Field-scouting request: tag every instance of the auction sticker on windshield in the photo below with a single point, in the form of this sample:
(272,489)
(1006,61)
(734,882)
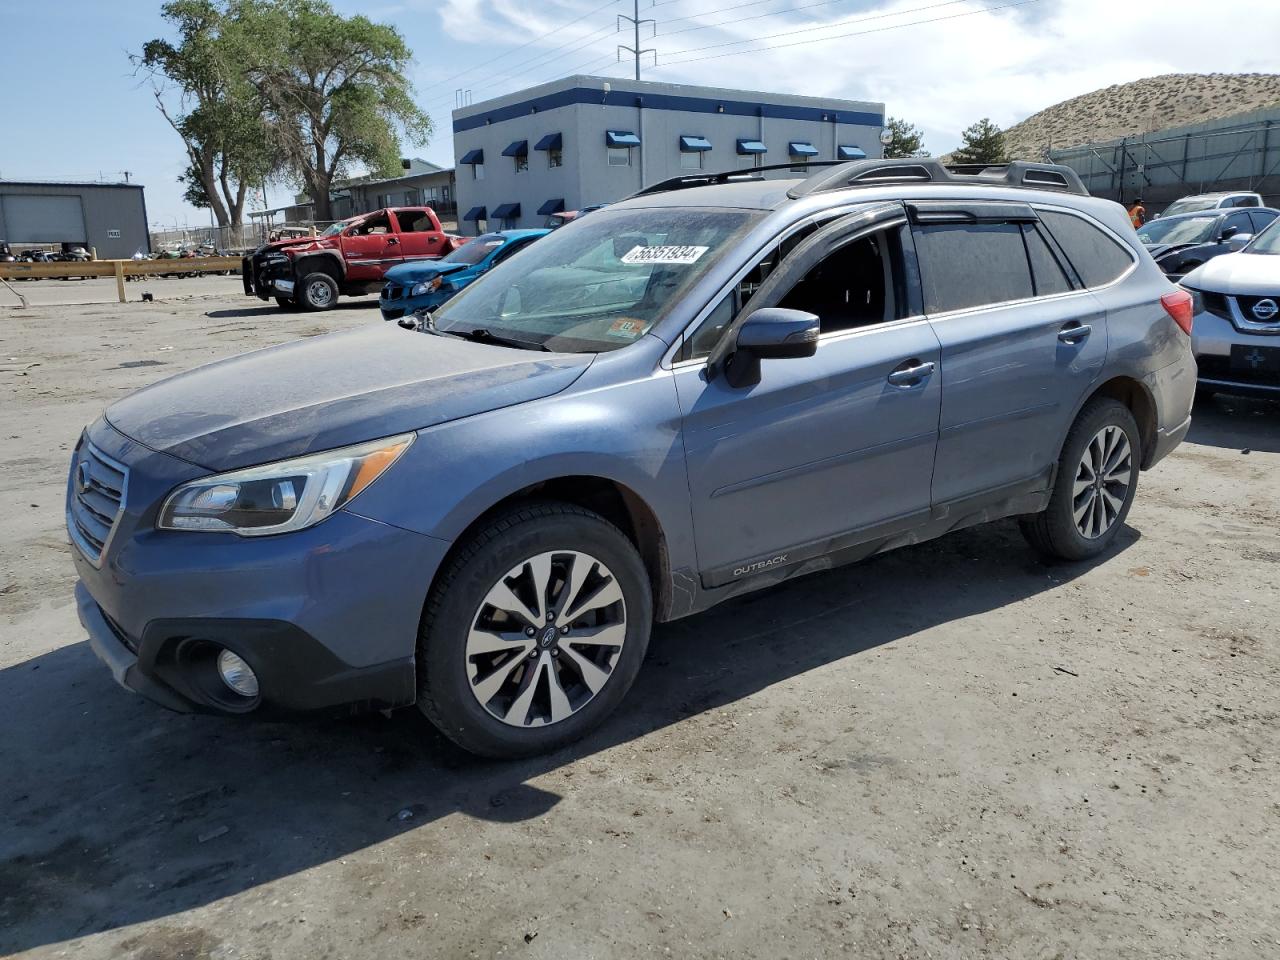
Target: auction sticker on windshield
(666,254)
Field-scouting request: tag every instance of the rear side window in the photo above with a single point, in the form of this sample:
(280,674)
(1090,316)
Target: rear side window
(1261,219)
(1047,272)
(967,265)
(1097,258)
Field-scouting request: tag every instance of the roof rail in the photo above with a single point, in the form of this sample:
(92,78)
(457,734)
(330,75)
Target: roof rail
(1015,173)
(744,175)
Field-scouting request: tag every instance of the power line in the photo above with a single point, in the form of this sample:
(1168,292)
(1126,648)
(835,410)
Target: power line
(777,13)
(840,36)
(827,26)
(590,13)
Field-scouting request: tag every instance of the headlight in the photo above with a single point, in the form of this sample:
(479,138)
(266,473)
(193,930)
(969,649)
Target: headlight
(279,497)
(427,286)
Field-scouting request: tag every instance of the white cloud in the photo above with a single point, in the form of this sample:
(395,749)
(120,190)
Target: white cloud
(1003,63)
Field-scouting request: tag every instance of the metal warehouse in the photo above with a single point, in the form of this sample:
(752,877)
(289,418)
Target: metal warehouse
(110,218)
(587,140)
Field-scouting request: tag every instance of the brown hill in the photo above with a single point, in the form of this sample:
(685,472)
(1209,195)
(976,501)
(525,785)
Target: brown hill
(1154,103)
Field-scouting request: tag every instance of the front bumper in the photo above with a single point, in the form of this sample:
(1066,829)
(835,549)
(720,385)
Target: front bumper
(327,617)
(1212,338)
(265,277)
(396,304)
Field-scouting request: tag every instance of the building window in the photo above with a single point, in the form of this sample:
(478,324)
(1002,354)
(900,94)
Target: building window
(555,157)
(799,167)
(522,163)
(619,156)
(477,171)
(749,161)
(691,160)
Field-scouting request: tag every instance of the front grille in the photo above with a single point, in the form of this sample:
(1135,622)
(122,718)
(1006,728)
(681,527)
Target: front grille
(1246,305)
(98,486)
(123,637)
(392,291)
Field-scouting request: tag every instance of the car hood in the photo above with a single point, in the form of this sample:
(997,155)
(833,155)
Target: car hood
(1250,274)
(298,244)
(408,273)
(330,391)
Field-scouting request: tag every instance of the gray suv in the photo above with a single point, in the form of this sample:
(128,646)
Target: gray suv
(709,388)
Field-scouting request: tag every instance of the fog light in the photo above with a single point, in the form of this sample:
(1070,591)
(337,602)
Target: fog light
(237,675)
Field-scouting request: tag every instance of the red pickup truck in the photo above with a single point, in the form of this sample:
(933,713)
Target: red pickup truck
(350,258)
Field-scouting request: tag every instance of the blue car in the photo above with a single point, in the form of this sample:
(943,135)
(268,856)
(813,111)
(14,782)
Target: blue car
(426,285)
(706,389)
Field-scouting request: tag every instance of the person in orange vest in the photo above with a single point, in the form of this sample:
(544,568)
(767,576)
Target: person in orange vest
(1137,213)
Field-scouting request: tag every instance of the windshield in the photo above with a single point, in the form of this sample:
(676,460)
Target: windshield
(473,251)
(598,284)
(1267,242)
(335,228)
(1191,206)
(1185,230)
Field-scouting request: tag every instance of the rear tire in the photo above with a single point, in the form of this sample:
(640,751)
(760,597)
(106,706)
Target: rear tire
(1094,484)
(318,291)
(497,683)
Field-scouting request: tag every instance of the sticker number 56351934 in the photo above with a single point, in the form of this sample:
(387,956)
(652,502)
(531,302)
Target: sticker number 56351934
(663,254)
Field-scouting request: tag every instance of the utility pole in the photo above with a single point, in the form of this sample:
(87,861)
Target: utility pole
(635,22)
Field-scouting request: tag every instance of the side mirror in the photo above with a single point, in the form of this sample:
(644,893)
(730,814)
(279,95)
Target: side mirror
(772,333)
(1228,233)
(1238,241)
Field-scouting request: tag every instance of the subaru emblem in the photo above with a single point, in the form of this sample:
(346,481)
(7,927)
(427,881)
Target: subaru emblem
(1265,310)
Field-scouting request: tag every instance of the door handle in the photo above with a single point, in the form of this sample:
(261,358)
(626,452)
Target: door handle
(910,372)
(392,240)
(1074,332)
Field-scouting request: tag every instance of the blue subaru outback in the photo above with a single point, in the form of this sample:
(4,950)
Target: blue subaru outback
(718,384)
(427,284)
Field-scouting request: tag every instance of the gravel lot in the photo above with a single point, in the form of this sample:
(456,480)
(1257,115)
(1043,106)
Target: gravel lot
(949,751)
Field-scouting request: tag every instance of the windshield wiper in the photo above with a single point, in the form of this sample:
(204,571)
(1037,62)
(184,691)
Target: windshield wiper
(481,335)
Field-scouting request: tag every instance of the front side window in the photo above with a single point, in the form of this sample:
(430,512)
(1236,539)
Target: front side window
(1098,258)
(966,265)
(1268,241)
(374,225)
(859,284)
(619,156)
(601,285)
(1236,223)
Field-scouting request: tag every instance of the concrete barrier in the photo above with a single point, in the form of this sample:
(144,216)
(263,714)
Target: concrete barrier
(118,269)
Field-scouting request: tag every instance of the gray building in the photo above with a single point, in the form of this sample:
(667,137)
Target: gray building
(110,218)
(586,140)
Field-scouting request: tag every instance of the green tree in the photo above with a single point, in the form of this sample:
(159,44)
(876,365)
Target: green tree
(203,92)
(906,142)
(983,143)
(334,91)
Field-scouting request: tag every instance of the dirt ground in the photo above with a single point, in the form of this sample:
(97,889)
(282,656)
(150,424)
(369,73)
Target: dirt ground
(949,751)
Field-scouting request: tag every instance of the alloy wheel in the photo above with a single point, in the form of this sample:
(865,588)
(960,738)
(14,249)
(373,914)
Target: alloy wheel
(546,638)
(1102,480)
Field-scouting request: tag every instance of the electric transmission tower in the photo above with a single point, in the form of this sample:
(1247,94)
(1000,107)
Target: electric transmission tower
(635,22)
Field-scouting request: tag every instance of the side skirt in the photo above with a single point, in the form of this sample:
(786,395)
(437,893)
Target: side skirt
(1016,499)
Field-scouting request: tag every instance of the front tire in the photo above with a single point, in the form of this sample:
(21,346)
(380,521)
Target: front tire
(534,632)
(1096,479)
(319,291)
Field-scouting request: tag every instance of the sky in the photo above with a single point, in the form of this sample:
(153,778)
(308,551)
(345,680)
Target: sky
(941,64)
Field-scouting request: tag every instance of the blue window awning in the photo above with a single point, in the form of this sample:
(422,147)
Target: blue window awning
(519,148)
(751,146)
(850,152)
(506,211)
(620,138)
(552,141)
(475,213)
(472,156)
(802,148)
(694,144)
(551,206)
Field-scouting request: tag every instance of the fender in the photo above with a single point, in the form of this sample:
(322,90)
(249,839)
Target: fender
(326,256)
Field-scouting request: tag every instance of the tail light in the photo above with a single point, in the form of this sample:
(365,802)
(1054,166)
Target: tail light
(1181,306)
